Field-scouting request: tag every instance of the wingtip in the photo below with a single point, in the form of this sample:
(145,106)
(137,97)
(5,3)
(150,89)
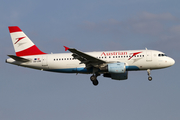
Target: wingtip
(66,48)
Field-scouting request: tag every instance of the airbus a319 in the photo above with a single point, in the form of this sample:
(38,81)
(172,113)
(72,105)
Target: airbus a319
(111,64)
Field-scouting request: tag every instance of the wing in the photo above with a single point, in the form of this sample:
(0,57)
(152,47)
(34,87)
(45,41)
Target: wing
(85,58)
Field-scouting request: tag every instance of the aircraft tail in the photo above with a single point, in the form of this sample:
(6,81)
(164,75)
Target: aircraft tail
(23,46)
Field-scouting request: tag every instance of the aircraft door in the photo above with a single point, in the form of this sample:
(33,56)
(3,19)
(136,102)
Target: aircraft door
(148,56)
(45,61)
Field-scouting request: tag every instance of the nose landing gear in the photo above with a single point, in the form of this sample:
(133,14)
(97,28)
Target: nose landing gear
(149,73)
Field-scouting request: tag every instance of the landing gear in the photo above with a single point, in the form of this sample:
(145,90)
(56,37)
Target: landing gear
(149,78)
(94,80)
(149,73)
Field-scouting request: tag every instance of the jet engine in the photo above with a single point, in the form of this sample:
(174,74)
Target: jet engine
(116,67)
(116,71)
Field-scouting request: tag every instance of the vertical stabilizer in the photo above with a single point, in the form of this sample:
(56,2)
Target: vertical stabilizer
(23,46)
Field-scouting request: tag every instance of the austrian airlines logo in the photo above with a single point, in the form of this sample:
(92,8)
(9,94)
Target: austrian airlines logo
(133,54)
(18,39)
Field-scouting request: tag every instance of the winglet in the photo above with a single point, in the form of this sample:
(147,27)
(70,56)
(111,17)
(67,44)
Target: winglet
(66,48)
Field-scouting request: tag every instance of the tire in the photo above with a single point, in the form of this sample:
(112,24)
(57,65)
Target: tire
(95,82)
(149,78)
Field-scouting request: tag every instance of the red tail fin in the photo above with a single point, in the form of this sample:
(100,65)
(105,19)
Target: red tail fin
(22,44)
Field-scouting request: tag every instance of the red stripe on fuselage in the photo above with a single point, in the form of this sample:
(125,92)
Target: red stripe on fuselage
(34,50)
(134,54)
(14,29)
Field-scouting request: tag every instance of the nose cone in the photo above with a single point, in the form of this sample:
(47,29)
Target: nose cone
(172,61)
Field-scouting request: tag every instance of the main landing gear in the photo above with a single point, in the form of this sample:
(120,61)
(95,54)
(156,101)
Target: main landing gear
(94,80)
(149,73)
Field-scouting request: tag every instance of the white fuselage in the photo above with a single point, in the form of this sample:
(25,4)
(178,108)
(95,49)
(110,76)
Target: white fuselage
(65,63)
(112,64)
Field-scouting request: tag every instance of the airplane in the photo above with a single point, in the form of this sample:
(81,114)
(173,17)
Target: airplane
(111,64)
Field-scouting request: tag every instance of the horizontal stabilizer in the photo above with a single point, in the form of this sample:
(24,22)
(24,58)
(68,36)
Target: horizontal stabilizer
(20,59)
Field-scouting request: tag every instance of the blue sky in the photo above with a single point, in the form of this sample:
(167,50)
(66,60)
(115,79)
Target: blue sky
(91,26)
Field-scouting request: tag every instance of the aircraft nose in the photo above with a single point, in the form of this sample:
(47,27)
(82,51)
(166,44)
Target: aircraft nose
(172,61)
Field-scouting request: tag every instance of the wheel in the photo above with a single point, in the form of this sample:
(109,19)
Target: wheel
(149,78)
(95,82)
(93,78)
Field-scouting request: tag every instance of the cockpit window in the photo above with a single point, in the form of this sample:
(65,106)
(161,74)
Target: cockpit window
(161,55)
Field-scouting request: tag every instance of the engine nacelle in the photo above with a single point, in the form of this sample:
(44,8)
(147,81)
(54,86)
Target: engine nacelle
(117,76)
(116,68)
